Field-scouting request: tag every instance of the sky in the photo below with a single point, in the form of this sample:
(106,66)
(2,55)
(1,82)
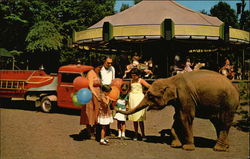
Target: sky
(196,5)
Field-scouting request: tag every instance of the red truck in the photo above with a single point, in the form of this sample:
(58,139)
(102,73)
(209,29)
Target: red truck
(47,91)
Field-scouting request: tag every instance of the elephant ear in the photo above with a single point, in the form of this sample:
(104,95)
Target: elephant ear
(170,93)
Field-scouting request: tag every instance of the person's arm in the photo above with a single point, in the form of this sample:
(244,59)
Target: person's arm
(101,74)
(145,83)
(113,69)
(126,102)
(90,77)
(105,99)
(128,69)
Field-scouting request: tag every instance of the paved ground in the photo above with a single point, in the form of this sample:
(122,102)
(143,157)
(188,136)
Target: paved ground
(30,134)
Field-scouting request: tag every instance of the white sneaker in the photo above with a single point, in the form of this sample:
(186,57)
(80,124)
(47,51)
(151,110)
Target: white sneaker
(106,140)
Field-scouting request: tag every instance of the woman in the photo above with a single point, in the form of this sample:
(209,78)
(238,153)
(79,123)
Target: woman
(135,97)
(89,113)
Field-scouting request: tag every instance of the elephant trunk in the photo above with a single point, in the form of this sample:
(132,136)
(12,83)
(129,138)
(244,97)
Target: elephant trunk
(141,106)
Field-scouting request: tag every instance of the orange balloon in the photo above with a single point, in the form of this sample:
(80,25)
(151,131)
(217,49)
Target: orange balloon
(114,93)
(117,82)
(80,82)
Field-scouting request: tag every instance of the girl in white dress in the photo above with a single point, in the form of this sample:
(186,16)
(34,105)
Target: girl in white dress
(135,97)
(105,114)
(122,105)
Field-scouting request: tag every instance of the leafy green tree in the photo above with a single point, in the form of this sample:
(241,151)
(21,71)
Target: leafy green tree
(124,7)
(20,20)
(14,24)
(44,37)
(224,12)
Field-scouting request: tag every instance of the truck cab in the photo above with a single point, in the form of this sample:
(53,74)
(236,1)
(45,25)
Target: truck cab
(65,88)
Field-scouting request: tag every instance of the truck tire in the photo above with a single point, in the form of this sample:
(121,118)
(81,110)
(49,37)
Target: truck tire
(46,105)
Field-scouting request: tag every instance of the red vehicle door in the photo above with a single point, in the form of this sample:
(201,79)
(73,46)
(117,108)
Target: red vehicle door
(65,88)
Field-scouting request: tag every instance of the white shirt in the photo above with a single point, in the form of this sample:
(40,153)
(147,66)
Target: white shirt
(107,75)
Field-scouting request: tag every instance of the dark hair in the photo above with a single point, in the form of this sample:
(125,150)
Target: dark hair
(106,88)
(135,71)
(124,87)
(104,58)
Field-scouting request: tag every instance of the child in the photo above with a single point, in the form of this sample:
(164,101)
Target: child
(121,105)
(188,65)
(105,115)
(135,97)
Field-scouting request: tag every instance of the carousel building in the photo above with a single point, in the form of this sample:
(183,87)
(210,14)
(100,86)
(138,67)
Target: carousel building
(160,29)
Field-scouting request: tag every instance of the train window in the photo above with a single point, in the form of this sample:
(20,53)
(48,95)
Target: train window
(69,77)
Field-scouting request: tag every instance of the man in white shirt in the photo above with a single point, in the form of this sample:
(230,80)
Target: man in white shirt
(107,71)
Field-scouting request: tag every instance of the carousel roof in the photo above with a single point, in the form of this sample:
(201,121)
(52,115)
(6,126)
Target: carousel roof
(145,21)
(155,11)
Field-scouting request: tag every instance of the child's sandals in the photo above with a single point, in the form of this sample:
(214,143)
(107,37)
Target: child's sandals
(106,140)
(103,143)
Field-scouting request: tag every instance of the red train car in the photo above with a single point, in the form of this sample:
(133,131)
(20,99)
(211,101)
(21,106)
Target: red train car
(46,90)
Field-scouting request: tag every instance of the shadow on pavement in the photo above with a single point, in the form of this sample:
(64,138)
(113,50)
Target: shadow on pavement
(163,139)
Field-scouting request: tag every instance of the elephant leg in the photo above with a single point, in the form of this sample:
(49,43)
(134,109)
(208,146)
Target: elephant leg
(222,141)
(182,131)
(222,129)
(175,139)
(216,124)
(187,122)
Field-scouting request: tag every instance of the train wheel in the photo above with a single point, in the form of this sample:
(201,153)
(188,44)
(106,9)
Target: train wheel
(46,105)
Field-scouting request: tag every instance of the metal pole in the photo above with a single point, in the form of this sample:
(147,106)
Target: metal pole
(13,63)
(167,65)
(243,63)
(242,11)
(217,59)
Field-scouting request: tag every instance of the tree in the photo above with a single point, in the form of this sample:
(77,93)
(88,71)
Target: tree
(14,24)
(124,7)
(44,43)
(20,20)
(203,11)
(224,12)
(44,37)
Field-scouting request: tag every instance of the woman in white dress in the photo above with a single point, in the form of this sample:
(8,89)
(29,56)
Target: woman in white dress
(135,97)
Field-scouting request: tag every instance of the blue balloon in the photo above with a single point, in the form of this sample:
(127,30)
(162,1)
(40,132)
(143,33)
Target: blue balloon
(84,96)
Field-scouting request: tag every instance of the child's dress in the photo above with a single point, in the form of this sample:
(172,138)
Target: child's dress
(121,104)
(105,115)
(135,97)
(188,67)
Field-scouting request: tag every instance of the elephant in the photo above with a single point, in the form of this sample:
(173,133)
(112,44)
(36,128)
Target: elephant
(204,94)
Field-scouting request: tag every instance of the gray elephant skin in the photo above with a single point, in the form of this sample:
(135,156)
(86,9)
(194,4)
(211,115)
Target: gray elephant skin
(204,94)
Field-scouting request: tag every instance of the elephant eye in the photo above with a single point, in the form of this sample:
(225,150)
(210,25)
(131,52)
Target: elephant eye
(150,96)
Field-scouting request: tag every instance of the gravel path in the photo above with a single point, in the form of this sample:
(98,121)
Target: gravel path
(30,134)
